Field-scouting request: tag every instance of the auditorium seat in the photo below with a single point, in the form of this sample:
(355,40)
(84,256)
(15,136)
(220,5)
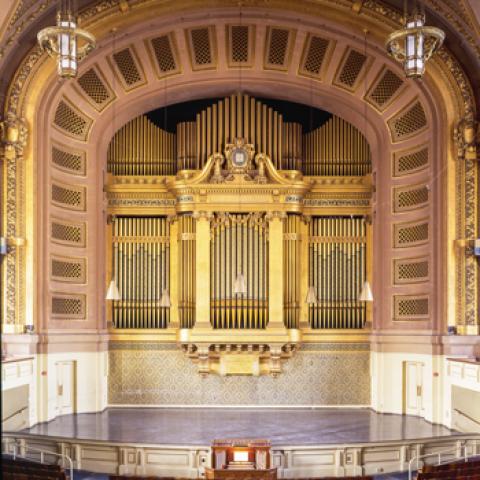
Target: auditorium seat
(451,466)
(22,469)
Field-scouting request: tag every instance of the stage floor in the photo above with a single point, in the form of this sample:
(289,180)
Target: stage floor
(199,426)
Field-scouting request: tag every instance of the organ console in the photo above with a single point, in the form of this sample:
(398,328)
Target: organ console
(241,459)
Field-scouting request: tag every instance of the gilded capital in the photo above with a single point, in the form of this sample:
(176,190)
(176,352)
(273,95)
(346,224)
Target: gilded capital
(13,133)
(467,138)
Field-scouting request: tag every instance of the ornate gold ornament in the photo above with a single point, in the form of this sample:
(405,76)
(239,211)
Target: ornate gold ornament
(66,42)
(415,43)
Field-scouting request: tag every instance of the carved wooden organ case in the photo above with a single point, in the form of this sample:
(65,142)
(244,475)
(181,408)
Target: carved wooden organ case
(232,219)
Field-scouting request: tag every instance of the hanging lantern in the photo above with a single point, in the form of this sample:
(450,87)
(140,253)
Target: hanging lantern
(311,298)
(366,293)
(112,292)
(414,44)
(240,285)
(66,43)
(165,299)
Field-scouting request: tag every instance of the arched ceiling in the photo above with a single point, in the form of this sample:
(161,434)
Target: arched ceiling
(22,19)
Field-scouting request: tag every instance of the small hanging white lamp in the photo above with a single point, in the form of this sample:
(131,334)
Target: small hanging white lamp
(112,292)
(366,293)
(165,299)
(311,298)
(240,285)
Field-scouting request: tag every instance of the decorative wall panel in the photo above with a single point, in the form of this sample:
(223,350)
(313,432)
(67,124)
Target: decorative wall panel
(68,306)
(411,161)
(68,269)
(128,69)
(240,45)
(164,51)
(410,307)
(315,56)
(385,89)
(158,374)
(202,47)
(278,48)
(411,270)
(351,70)
(410,198)
(409,122)
(93,84)
(68,196)
(68,233)
(71,121)
(68,160)
(410,234)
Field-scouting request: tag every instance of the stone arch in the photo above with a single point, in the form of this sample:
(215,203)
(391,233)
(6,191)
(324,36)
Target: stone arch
(189,83)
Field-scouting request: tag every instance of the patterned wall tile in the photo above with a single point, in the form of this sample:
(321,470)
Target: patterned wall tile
(156,375)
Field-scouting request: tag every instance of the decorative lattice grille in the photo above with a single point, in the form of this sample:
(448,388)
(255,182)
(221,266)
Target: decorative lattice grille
(67,233)
(65,269)
(408,123)
(411,307)
(277,47)
(239,44)
(385,89)
(202,48)
(71,121)
(163,50)
(351,68)
(91,83)
(66,306)
(411,234)
(69,161)
(71,197)
(410,198)
(411,270)
(127,67)
(315,55)
(405,163)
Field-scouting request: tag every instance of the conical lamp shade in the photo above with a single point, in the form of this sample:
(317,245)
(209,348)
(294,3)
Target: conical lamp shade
(311,298)
(165,300)
(240,285)
(112,292)
(366,293)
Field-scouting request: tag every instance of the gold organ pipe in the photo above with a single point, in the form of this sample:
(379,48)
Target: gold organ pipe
(228,136)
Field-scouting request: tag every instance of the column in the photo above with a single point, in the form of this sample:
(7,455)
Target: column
(275,269)
(174,269)
(13,137)
(304,246)
(202,269)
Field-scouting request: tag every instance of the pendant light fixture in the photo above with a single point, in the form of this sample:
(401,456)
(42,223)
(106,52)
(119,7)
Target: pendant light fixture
(366,293)
(415,43)
(311,298)
(65,42)
(240,285)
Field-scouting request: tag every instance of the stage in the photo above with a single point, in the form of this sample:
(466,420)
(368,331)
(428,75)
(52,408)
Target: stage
(199,426)
(306,442)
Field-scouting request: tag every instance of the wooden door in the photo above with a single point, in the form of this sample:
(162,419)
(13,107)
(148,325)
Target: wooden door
(413,388)
(66,383)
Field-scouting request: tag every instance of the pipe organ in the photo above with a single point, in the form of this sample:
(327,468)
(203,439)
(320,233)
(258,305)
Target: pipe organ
(336,148)
(337,270)
(141,265)
(186,270)
(235,216)
(239,247)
